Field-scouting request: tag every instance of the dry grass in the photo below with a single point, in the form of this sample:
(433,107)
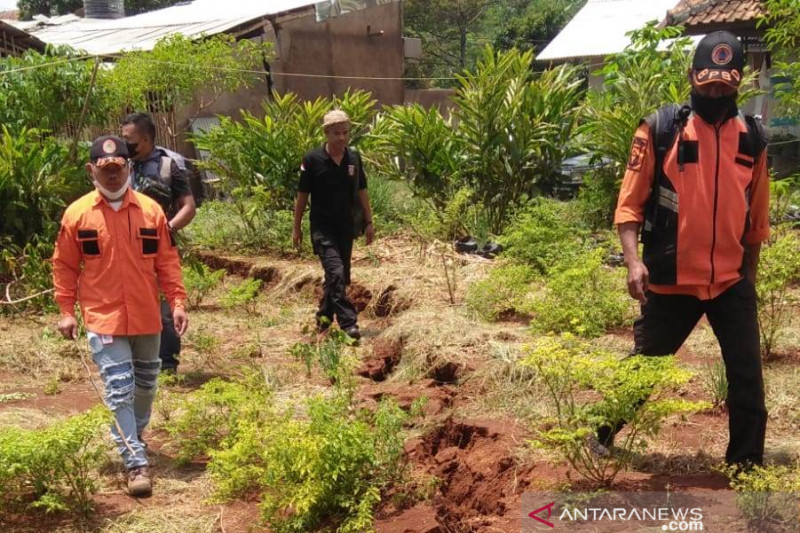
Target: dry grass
(224,343)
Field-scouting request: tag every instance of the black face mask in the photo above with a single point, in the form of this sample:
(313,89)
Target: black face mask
(713,110)
(133,149)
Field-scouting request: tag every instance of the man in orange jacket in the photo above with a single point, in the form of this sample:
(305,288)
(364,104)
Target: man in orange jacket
(697,187)
(113,254)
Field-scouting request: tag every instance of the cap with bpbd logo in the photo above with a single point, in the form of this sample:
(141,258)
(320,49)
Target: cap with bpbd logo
(719,58)
(109,150)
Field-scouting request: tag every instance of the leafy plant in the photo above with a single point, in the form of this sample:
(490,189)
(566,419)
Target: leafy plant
(778,268)
(426,152)
(267,152)
(514,128)
(199,280)
(575,374)
(506,290)
(781,26)
(545,235)
(51,468)
(585,298)
(243,295)
(179,69)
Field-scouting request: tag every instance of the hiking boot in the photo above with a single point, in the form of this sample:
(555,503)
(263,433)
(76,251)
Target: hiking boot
(139,484)
(597,449)
(353,333)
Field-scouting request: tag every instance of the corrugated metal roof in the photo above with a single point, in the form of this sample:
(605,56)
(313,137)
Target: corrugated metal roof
(599,28)
(141,32)
(693,13)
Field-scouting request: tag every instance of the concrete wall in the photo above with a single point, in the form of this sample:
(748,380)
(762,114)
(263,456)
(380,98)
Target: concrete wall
(348,45)
(340,46)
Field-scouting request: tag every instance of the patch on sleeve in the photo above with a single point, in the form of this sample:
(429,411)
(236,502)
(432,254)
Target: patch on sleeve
(638,153)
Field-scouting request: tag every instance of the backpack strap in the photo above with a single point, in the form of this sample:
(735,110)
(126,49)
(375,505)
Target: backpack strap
(665,125)
(757,137)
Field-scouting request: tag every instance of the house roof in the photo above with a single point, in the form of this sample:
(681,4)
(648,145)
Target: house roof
(12,14)
(702,15)
(21,40)
(599,28)
(142,32)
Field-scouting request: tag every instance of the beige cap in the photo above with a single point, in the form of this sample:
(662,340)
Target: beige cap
(337,116)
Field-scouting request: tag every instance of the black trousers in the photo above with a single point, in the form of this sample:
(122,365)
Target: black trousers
(665,324)
(170,346)
(335,250)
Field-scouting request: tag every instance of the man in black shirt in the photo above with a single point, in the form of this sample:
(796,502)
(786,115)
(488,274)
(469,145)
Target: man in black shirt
(162,175)
(333,177)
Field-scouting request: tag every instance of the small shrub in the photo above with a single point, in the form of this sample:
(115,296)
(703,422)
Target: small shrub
(199,281)
(585,298)
(332,467)
(327,352)
(216,413)
(507,289)
(778,268)
(52,468)
(575,374)
(545,236)
(243,295)
(767,495)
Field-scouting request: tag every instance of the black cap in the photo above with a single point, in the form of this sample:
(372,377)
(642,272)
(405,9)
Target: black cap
(719,58)
(109,150)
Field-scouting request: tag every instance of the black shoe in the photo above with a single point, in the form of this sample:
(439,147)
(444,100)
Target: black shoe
(353,333)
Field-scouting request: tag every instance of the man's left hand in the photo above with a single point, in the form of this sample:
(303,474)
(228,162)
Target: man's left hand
(370,234)
(181,320)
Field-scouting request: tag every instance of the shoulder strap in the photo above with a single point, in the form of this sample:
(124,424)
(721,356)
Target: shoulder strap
(165,170)
(756,135)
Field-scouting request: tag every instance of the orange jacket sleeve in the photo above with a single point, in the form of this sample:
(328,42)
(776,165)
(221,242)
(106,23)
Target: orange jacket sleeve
(168,267)
(638,181)
(66,267)
(759,203)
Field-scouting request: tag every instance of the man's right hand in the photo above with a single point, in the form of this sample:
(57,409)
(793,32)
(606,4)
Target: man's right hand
(297,237)
(68,327)
(638,280)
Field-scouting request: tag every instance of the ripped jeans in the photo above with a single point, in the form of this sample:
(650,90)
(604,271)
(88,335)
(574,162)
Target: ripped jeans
(129,368)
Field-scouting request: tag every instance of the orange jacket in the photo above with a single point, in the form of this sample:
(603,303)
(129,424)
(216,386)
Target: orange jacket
(721,196)
(113,263)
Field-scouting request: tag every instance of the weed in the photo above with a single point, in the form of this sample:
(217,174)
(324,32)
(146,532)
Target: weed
(199,281)
(767,494)
(778,268)
(243,296)
(52,388)
(51,468)
(585,298)
(327,352)
(506,290)
(716,383)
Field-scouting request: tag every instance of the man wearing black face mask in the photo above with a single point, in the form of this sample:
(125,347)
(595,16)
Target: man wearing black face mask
(697,187)
(163,176)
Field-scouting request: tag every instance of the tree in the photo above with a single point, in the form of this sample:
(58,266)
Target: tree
(445,27)
(532,25)
(29,8)
(782,34)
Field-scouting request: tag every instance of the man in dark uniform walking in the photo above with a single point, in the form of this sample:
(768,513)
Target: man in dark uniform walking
(162,175)
(332,176)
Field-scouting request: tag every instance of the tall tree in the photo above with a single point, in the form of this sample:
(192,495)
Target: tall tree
(532,25)
(445,27)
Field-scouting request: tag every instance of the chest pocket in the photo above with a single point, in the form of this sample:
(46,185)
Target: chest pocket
(149,238)
(90,242)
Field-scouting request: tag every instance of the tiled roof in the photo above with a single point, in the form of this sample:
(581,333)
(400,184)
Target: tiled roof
(715,12)
(12,14)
